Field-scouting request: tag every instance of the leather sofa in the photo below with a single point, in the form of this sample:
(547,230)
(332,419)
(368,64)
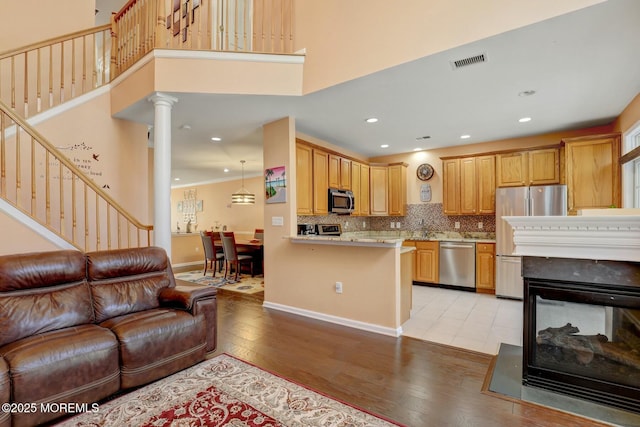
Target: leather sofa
(77,328)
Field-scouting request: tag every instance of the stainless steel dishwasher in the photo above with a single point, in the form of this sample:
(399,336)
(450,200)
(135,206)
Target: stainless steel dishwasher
(458,264)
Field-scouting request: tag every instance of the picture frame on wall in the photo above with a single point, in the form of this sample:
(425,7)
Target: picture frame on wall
(275,182)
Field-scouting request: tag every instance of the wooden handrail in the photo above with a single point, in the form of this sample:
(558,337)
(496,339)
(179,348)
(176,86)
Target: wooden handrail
(12,126)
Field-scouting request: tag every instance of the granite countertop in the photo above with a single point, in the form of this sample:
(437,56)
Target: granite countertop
(478,237)
(392,239)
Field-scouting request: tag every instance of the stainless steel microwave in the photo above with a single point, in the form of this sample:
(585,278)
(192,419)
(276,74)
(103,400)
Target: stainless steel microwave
(341,201)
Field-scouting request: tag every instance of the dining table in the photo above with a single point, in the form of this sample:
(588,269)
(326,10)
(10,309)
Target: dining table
(255,246)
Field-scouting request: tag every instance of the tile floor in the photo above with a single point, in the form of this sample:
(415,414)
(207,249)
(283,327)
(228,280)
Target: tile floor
(469,320)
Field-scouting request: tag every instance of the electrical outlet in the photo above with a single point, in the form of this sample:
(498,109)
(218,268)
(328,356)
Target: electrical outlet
(398,224)
(338,287)
(346,224)
(393,224)
(456,225)
(480,225)
(364,224)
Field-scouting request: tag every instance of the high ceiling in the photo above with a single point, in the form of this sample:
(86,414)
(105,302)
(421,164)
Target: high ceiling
(584,68)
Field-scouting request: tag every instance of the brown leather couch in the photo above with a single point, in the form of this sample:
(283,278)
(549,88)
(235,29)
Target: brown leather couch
(77,328)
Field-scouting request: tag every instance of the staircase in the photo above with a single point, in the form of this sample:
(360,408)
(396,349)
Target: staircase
(41,186)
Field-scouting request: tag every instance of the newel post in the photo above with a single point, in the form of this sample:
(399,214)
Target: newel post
(114,47)
(161,24)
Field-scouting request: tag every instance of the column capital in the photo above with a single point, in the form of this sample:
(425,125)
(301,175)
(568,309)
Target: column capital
(160,98)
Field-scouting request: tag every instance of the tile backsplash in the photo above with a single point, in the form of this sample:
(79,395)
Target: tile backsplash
(420,217)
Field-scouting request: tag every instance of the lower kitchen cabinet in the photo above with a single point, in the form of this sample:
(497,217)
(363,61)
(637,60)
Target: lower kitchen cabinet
(427,262)
(486,268)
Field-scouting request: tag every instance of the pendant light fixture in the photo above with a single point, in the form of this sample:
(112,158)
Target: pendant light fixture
(243,196)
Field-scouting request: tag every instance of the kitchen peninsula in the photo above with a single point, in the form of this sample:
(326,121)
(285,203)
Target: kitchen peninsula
(355,281)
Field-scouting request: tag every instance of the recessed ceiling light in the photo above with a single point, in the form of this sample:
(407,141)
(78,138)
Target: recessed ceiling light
(226,170)
(384,146)
(216,138)
(524,119)
(176,179)
(418,149)
(465,136)
(527,93)
(371,120)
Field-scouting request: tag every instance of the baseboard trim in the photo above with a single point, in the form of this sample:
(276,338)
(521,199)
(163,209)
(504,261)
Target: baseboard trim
(370,327)
(186,264)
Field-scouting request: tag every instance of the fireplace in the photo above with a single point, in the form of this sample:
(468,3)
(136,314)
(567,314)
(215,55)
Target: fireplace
(582,329)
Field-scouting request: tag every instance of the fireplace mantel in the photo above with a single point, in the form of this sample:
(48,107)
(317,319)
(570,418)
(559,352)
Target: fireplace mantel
(614,237)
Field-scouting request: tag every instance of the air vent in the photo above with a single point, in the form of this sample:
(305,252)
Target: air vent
(465,62)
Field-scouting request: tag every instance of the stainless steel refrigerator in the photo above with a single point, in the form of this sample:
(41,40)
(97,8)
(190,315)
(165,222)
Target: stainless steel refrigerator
(543,200)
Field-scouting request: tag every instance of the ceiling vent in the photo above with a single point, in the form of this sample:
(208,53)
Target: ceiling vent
(471,60)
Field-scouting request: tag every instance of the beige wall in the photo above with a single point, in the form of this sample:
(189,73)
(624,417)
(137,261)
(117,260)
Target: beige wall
(28,21)
(381,34)
(216,207)
(121,164)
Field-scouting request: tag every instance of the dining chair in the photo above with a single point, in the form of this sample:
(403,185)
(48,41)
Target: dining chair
(212,257)
(232,257)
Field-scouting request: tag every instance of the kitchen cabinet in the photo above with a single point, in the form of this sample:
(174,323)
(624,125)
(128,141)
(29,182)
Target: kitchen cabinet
(379,189)
(397,189)
(304,179)
(485,267)
(469,185)
(427,261)
(592,172)
(360,188)
(339,172)
(312,178)
(320,182)
(388,189)
(531,167)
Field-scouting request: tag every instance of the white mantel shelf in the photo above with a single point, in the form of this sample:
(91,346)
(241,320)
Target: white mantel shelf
(615,237)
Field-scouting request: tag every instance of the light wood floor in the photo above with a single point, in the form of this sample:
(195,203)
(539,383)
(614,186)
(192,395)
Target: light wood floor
(411,381)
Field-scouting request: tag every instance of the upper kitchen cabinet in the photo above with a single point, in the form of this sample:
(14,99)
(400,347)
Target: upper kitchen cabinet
(398,189)
(593,172)
(379,190)
(339,172)
(360,188)
(530,167)
(312,166)
(304,179)
(469,185)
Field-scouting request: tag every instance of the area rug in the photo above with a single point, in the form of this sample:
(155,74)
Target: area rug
(245,283)
(225,391)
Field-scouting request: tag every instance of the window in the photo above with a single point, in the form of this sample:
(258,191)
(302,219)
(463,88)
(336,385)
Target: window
(631,168)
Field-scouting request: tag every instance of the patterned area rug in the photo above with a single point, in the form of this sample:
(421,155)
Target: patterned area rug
(225,391)
(246,284)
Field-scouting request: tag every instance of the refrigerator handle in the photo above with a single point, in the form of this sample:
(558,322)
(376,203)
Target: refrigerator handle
(526,207)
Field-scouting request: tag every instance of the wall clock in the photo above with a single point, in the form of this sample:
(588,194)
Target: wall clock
(424,172)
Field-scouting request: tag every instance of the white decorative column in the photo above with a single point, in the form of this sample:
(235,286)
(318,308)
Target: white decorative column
(162,170)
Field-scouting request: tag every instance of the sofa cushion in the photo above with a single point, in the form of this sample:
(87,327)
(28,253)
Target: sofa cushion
(5,393)
(156,343)
(126,281)
(42,292)
(78,364)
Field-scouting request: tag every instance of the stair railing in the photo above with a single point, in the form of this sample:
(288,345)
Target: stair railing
(42,75)
(43,183)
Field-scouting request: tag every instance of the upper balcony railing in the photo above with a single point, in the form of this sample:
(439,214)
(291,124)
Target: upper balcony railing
(43,75)
(263,26)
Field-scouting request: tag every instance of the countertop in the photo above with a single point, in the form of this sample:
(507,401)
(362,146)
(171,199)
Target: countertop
(392,239)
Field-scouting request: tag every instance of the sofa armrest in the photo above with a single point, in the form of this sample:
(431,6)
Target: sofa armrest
(195,299)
